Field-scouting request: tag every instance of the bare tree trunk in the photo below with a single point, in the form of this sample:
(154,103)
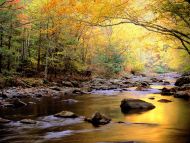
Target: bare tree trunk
(1,45)
(46,64)
(47,54)
(9,47)
(39,52)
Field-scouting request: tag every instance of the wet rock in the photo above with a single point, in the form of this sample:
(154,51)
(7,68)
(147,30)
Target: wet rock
(166,83)
(18,103)
(70,101)
(28,121)
(66,114)
(98,119)
(157,79)
(145,84)
(184,87)
(3,121)
(183,80)
(73,91)
(121,122)
(164,101)
(182,94)
(136,105)
(166,91)
(141,88)
(151,98)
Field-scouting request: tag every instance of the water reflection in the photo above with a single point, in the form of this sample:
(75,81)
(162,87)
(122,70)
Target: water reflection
(167,123)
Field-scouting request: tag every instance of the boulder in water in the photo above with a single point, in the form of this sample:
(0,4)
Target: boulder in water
(3,121)
(151,98)
(166,83)
(135,105)
(182,80)
(28,121)
(182,94)
(66,114)
(164,101)
(98,119)
(167,92)
(186,73)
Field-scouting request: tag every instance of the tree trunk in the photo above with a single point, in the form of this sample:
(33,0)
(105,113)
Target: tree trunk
(39,52)
(46,64)
(1,45)
(47,53)
(9,47)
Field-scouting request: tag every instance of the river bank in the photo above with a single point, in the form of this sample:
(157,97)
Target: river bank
(11,96)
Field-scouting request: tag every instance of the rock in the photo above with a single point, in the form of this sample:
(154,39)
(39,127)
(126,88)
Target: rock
(98,119)
(184,87)
(56,88)
(66,114)
(18,103)
(156,80)
(88,120)
(73,91)
(121,122)
(145,84)
(75,84)
(141,88)
(183,80)
(77,91)
(135,104)
(151,98)
(166,91)
(186,73)
(4,120)
(70,101)
(166,83)
(164,101)
(182,94)
(67,84)
(28,121)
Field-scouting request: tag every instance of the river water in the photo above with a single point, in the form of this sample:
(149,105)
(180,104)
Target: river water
(167,123)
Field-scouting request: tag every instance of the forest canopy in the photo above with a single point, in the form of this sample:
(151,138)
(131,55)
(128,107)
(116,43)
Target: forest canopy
(51,37)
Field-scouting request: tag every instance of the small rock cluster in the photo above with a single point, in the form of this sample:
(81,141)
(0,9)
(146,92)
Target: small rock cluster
(182,89)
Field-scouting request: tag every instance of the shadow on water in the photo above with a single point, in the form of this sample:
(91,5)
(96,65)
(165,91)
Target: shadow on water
(167,123)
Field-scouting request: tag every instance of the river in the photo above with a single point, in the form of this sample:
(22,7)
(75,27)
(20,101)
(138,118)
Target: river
(167,123)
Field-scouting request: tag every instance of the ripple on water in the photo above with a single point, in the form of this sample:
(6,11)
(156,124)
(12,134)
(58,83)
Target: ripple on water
(52,135)
(51,121)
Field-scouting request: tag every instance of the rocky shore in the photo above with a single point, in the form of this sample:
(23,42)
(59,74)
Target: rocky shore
(12,96)
(181,89)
